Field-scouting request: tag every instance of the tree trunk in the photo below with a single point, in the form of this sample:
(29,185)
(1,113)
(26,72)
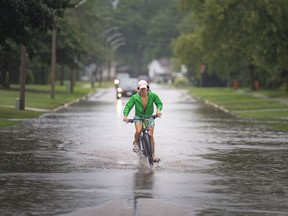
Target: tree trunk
(71,80)
(228,80)
(53,63)
(251,68)
(284,77)
(62,75)
(93,78)
(3,79)
(22,78)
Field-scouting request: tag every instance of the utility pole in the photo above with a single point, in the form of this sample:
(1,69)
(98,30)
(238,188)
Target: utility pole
(53,62)
(22,77)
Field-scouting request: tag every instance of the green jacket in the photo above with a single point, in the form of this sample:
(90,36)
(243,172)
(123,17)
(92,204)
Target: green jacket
(136,100)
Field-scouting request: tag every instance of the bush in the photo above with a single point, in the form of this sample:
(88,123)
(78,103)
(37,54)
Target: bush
(181,82)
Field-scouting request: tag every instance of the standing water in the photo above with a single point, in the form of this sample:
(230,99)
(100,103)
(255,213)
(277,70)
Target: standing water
(79,161)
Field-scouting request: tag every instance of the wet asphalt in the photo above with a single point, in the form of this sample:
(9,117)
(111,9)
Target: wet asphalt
(79,161)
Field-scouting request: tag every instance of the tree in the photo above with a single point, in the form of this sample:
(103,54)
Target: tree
(34,18)
(32,15)
(163,28)
(81,38)
(236,33)
(148,27)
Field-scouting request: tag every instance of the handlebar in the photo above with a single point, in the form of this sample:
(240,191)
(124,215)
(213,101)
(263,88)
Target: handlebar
(142,119)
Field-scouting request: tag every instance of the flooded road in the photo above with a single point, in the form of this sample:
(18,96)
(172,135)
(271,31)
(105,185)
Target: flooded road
(79,161)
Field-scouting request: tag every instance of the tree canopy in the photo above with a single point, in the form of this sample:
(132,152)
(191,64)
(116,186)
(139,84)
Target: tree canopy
(236,34)
(234,39)
(19,19)
(148,27)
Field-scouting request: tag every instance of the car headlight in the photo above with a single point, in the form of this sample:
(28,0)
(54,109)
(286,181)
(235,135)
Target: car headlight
(116,81)
(119,90)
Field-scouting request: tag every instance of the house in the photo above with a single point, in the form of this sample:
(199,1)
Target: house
(159,70)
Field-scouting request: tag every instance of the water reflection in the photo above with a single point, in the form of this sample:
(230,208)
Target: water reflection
(218,164)
(24,152)
(255,179)
(119,106)
(143,184)
(33,194)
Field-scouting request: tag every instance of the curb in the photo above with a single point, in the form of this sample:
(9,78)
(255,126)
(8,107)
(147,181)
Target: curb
(216,106)
(90,94)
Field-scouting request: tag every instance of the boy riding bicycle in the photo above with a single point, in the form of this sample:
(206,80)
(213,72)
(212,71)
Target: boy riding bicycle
(144,102)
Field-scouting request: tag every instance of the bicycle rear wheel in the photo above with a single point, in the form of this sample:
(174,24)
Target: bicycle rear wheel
(147,147)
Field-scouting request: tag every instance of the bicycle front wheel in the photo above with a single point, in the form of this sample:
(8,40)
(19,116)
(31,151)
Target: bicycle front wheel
(147,146)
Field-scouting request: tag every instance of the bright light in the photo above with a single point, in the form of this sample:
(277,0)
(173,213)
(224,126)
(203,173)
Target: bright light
(119,95)
(119,106)
(119,90)
(116,82)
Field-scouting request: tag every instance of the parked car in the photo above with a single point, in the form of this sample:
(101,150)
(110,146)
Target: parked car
(120,76)
(127,87)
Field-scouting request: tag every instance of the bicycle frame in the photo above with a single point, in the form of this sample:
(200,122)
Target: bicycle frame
(145,139)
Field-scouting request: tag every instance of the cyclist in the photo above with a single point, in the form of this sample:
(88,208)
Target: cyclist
(144,102)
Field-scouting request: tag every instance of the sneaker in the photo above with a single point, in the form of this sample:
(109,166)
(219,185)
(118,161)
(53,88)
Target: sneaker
(136,148)
(155,159)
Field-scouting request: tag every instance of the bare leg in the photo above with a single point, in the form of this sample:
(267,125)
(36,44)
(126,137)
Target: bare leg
(153,145)
(152,139)
(138,128)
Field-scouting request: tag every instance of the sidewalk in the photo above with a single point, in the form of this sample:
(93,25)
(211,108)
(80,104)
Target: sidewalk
(29,108)
(258,95)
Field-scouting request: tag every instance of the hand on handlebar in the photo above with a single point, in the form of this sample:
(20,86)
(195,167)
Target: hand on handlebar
(125,119)
(158,113)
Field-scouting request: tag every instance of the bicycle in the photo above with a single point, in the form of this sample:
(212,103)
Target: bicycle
(145,139)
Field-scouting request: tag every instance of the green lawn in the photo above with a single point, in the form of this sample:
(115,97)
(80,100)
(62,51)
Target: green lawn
(273,94)
(38,96)
(14,113)
(7,123)
(266,114)
(244,105)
